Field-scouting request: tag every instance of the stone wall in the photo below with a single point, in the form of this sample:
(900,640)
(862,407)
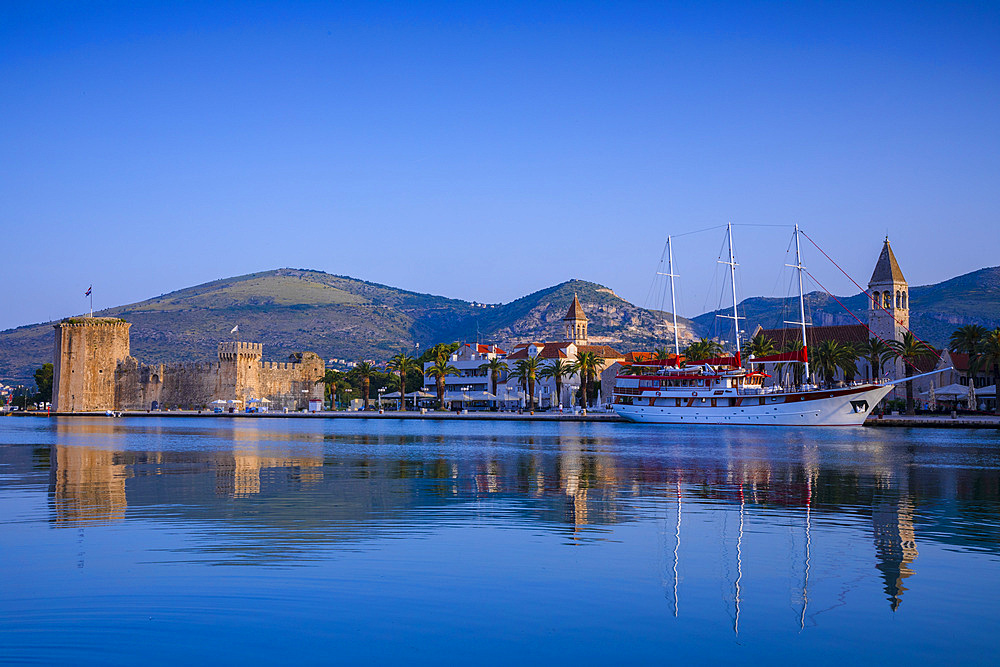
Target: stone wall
(239,375)
(87,351)
(95,372)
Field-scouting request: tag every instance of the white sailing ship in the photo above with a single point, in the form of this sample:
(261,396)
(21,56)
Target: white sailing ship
(722,391)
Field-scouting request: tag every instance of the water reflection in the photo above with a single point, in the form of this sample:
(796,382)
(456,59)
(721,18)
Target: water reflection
(264,494)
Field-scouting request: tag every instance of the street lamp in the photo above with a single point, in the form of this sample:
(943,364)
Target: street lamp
(381,390)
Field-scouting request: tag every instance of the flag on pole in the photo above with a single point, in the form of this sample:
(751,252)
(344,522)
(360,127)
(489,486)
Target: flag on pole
(87,293)
(235,329)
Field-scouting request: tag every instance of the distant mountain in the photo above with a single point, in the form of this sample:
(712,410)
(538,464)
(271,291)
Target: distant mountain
(935,310)
(291,310)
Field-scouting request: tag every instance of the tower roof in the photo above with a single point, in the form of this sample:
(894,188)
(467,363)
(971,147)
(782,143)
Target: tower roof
(886,268)
(575,311)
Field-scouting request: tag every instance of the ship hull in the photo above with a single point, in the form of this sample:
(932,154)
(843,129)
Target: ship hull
(840,407)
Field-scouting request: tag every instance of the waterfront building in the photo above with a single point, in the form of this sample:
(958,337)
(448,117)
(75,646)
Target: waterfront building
(577,341)
(470,379)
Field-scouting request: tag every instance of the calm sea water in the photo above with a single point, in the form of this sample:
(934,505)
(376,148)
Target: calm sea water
(341,541)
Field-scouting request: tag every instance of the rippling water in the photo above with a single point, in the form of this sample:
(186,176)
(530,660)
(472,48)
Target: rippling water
(352,541)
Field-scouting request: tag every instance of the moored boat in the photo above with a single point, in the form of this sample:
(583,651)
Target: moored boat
(721,391)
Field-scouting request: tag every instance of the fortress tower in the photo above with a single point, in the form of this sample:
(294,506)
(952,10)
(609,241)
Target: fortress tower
(239,370)
(575,323)
(87,350)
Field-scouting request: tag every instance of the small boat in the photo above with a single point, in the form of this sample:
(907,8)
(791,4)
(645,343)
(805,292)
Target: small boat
(722,391)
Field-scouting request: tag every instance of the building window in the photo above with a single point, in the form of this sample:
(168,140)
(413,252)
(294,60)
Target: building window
(904,300)
(875,300)
(887,299)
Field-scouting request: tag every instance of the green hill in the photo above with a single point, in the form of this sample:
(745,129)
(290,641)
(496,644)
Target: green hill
(935,310)
(291,310)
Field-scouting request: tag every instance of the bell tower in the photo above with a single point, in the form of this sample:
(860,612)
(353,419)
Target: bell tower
(889,307)
(575,323)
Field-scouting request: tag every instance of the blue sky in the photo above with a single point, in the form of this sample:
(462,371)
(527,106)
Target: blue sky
(487,150)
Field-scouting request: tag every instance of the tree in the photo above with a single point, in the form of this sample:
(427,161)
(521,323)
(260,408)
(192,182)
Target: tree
(828,357)
(587,366)
(661,354)
(495,367)
(876,351)
(702,349)
(439,370)
(761,346)
(440,350)
(526,370)
(909,350)
(364,371)
(989,353)
(849,362)
(43,380)
(556,370)
(402,364)
(330,380)
(969,339)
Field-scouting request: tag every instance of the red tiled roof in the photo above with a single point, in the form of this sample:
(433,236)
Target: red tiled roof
(960,361)
(842,333)
(601,351)
(485,349)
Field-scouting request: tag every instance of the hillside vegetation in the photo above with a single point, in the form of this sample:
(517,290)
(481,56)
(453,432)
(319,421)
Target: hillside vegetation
(290,310)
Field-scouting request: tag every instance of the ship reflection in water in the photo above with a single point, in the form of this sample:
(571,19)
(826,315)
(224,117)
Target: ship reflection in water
(561,533)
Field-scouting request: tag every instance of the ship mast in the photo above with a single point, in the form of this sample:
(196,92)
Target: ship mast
(673,301)
(802,304)
(732,274)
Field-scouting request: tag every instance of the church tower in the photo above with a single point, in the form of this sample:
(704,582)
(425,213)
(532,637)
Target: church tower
(889,309)
(575,323)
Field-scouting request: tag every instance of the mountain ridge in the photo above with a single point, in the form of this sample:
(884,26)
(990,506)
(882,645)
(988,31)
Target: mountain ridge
(291,310)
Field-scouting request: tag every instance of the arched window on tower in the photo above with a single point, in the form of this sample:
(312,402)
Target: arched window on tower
(875,300)
(887,299)
(904,301)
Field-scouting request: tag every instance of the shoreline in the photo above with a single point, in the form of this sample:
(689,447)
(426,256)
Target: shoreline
(899,421)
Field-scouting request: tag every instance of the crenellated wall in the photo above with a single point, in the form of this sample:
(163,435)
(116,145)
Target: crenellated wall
(94,371)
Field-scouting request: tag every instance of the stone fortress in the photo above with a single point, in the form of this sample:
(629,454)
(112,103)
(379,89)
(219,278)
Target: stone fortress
(94,371)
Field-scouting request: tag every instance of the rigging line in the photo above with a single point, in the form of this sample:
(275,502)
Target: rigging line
(866,293)
(698,231)
(758,224)
(851,313)
(659,271)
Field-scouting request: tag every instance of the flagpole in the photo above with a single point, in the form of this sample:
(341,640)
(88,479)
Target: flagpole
(91,290)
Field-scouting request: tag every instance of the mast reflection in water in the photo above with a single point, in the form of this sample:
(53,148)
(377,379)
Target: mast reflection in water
(600,541)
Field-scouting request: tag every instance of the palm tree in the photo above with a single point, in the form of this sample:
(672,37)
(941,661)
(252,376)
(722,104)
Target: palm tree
(557,370)
(364,371)
(495,367)
(909,350)
(989,354)
(330,380)
(969,339)
(849,362)
(703,349)
(587,366)
(403,364)
(526,370)
(762,346)
(828,357)
(876,351)
(661,354)
(439,370)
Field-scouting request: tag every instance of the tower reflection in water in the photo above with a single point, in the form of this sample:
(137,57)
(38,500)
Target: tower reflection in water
(314,490)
